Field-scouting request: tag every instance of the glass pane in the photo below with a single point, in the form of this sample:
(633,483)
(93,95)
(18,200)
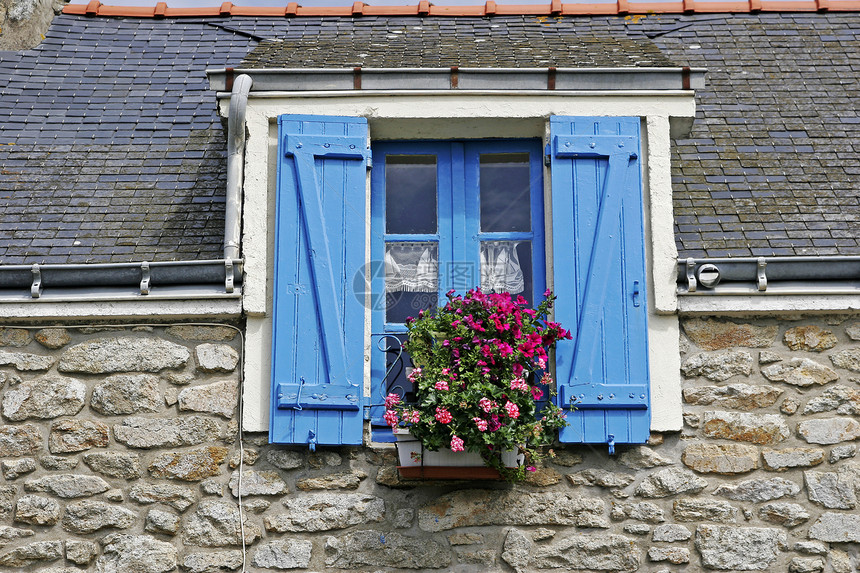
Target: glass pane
(506,266)
(410,194)
(411,279)
(505,192)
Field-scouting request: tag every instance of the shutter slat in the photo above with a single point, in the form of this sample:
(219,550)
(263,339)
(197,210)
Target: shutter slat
(318,321)
(598,254)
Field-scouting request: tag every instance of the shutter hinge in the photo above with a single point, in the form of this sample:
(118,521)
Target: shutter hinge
(547,160)
(611,443)
(365,403)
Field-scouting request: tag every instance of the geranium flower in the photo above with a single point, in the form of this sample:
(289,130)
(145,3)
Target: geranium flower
(391,418)
(415,375)
(512,410)
(392,400)
(481,423)
(537,393)
(519,384)
(441,385)
(443,415)
(456,444)
(486,404)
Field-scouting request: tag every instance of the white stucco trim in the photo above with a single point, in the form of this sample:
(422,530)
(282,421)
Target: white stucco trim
(152,309)
(457,114)
(772,304)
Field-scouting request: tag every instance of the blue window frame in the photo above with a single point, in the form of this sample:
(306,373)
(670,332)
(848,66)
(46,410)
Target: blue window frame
(447,216)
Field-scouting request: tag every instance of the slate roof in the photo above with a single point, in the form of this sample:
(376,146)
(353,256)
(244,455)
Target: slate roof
(111,149)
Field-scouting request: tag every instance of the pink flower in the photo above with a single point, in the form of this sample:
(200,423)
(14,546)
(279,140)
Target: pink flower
(512,410)
(531,468)
(456,444)
(481,423)
(443,415)
(542,363)
(391,418)
(414,375)
(392,400)
(537,393)
(486,404)
(505,349)
(411,416)
(519,384)
(441,385)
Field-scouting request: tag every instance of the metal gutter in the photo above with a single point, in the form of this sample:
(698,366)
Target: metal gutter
(235,165)
(801,275)
(455,78)
(105,281)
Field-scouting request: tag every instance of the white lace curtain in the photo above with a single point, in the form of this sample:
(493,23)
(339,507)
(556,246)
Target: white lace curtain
(414,267)
(411,267)
(500,267)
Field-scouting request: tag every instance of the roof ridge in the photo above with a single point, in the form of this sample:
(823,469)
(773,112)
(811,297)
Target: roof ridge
(489,8)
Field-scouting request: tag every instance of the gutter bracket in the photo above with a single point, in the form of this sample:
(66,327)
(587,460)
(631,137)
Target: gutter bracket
(762,276)
(36,287)
(228,275)
(691,277)
(144,278)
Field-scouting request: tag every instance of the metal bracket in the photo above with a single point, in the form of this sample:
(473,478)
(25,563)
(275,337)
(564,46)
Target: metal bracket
(36,287)
(691,276)
(312,440)
(762,277)
(145,278)
(611,444)
(636,293)
(228,275)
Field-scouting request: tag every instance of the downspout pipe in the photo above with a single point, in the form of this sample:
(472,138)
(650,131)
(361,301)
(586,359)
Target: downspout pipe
(235,165)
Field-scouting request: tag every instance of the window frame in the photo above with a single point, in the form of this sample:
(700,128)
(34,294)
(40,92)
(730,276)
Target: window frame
(458,227)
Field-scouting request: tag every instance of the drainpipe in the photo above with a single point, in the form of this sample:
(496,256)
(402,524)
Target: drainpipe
(235,165)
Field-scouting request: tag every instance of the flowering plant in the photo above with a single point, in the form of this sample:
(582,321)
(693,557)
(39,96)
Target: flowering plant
(476,362)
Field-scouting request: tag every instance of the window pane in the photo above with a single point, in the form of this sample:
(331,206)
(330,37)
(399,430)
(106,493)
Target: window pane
(505,192)
(410,194)
(411,279)
(506,266)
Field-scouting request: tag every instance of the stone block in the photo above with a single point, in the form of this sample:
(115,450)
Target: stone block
(704,510)
(718,366)
(727,548)
(848,359)
(324,512)
(212,561)
(361,549)
(175,496)
(36,552)
(26,362)
(830,489)
(784,513)
(44,398)
(284,554)
(136,554)
(89,516)
(126,354)
(53,338)
(836,528)
(68,485)
(735,396)
(674,555)
(801,372)
(788,458)
(37,510)
(724,459)
(216,358)
(140,432)
(809,338)
(191,465)
(475,507)
(216,523)
(13,469)
(257,483)
(218,398)
(591,552)
(670,481)
(671,532)
(754,428)
(341,480)
(77,435)
(719,335)
(114,464)
(759,490)
(127,394)
(829,430)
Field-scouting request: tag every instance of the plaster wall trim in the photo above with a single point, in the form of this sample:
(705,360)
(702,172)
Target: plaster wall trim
(447,115)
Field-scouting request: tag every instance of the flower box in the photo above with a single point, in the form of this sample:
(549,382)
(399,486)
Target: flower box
(419,463)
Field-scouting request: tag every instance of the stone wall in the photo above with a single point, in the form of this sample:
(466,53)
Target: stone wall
(24,23)
(119,451)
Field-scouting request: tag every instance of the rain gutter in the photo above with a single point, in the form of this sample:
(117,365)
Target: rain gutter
(121,281)
(774,276)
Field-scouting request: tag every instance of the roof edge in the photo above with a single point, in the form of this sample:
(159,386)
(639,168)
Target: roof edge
(489,8)
(457,78)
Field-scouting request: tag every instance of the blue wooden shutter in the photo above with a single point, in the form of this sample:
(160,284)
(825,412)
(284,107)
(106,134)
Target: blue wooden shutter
(599,276)
(318,338)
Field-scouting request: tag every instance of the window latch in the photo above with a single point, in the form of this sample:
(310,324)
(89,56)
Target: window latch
(635,293)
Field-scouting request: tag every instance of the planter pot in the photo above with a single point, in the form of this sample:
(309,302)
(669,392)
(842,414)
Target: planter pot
(419,463)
